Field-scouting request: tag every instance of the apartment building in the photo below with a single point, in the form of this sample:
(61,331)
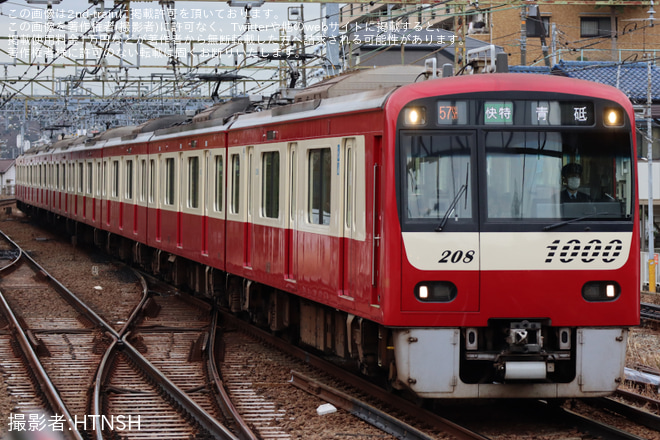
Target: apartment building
(529,33)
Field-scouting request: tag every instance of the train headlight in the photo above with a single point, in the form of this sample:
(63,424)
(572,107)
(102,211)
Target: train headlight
(601,291)
(613,117)
(414,116)
(436,291)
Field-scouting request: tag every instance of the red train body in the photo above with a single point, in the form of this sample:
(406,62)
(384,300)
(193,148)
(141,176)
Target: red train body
(418,230)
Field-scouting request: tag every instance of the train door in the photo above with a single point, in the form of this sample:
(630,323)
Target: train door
(291,226)
(351,264)
(249,226)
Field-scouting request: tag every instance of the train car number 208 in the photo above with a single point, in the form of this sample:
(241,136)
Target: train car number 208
(458,256)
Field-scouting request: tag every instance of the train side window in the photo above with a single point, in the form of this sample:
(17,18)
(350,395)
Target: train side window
(81,177)
(105,178)
(63,187)
(90,177)
(236,182)
(129,180)
(193,182)
(142,179)
(319,189)
(57,176)
(293,184)
(169,181)
(152,180)
(219,180)
(348,200)
(99,179)
(270,184)
(115,179)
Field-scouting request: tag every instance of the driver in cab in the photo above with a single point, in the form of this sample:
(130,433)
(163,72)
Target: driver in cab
(571,174)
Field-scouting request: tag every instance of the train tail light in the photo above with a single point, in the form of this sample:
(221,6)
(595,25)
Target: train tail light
(601,291)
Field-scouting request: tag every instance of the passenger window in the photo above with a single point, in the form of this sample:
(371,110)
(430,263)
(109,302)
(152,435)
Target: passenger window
(129,179)
(193,182)
(169,181)
(319,166)
(115,178)
(236,181)
(152,180)
(90,178)
(143,180)
(81,177)
(99,179)
(270,185)
(348,211)
(219,180)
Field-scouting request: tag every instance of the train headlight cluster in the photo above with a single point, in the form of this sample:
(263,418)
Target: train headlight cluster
(414,116)
(601,291)
(613,117)
(436,291)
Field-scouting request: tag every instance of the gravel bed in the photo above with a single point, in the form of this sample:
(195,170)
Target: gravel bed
(91,276)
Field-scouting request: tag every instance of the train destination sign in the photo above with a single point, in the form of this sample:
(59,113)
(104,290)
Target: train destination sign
(514,112)
(453,112)
(538,113)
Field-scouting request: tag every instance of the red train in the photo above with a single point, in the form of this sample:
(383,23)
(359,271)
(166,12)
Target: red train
(420,230)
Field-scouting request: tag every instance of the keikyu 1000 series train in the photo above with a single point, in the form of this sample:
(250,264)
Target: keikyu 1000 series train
(463,237)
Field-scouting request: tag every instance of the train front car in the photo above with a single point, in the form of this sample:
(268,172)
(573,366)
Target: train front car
(519,269)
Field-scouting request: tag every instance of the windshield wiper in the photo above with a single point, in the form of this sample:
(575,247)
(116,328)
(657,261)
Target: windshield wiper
(458,195)
(573,220)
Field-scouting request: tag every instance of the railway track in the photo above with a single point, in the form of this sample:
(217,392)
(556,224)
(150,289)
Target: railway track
(650,312)
(63,344)
(557,418)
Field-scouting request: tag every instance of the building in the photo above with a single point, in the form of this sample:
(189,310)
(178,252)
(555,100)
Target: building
(578,32)
(387,34)
(7,177)
(583,31)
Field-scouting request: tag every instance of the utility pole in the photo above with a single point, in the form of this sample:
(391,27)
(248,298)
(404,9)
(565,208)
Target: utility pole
(649,157)
(523,36)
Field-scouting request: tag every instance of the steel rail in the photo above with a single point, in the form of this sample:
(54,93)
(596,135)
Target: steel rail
(47,386)
(588,425)
(438,422)
(120,343)
(101,374)
(245,432)
(201,416)
(368,413)
(649,311)
(224,401)
(637,415)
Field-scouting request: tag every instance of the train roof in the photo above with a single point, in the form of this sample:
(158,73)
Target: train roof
(382,78)
(369,89)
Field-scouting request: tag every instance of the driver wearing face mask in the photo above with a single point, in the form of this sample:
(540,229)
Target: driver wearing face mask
(571,174)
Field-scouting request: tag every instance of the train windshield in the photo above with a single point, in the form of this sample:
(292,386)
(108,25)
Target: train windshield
(438,169)
(558,175)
